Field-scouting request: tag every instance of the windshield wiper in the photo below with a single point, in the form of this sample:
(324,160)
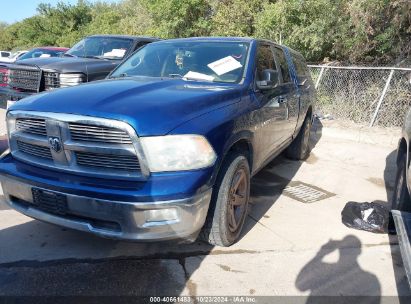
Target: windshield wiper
(69,55)
(122,75)
(92,57)
(175,76)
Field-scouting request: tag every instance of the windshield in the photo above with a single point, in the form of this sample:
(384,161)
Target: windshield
(192,60)
(42,53)
(101,47)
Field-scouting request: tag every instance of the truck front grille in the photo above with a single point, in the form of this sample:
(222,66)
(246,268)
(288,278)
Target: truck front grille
(77,144)
(32,126)
(119,162)
(34,150)
(25,79)
(82,132)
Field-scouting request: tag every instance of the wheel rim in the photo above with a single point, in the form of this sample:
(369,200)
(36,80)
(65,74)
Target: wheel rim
(237,200)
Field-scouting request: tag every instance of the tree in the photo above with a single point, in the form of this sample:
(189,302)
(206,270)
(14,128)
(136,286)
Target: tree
(310,26)
(236,17)
(178,18)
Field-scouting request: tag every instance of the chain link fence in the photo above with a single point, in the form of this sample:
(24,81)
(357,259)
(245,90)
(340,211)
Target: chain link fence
(367,95)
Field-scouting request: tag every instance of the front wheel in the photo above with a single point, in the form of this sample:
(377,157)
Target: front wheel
(228,208)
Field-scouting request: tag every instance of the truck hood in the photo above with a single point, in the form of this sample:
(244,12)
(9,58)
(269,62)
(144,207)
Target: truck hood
(150,106)
(71,64)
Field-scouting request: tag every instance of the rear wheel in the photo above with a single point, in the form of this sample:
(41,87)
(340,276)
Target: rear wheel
(300,147)
(228,208)
(401,199)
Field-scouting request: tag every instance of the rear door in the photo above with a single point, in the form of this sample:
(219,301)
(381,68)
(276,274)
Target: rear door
(305,84)
(290,95)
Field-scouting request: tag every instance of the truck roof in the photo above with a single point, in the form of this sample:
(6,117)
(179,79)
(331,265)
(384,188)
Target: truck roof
(236,39)
(129,37)
(240,39)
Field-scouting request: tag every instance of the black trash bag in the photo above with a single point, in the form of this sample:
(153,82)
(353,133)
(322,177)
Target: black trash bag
(372,217)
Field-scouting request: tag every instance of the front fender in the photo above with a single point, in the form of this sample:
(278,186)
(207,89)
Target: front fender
(222,128)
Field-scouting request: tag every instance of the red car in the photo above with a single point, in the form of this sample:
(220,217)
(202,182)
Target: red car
(46,51)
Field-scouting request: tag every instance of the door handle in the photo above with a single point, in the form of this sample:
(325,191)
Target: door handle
(282,99)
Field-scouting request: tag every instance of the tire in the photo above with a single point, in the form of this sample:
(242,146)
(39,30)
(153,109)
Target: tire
(401,198)
(225,218)
(300,147)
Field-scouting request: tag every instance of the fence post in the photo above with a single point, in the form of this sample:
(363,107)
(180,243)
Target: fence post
(387,85)
(317,83)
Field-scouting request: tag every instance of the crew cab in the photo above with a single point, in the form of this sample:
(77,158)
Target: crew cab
(165,147)
(93,58)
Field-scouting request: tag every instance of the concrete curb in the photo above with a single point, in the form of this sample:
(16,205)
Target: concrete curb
(357,133)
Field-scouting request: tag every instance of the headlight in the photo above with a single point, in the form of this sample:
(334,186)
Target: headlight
(68,80)
(177,152)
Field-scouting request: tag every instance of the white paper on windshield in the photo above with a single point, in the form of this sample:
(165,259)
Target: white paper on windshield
(199,76)
(224,65)
(115,53)
(45,55)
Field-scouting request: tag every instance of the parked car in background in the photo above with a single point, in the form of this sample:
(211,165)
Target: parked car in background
(13,57)
(4,54)
(44,52)
(401,200)
(166,146)
(92,58)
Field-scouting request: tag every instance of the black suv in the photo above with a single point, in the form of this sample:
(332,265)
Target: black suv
(93,58)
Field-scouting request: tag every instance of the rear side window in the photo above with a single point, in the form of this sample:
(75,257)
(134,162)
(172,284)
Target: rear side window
(4,54)
(300,66)
(301,69)
(279,53)
(265,60)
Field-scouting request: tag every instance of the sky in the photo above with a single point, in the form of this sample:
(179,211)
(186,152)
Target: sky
(16,10)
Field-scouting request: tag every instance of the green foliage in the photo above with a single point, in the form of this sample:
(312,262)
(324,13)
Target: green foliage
(376,31)
(310,26)
(176,18)
(236,17)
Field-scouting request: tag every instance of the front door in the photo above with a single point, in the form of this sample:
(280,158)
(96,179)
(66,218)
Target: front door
(272,109)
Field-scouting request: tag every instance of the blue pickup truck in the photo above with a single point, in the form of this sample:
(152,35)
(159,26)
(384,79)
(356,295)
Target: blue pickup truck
(165,147)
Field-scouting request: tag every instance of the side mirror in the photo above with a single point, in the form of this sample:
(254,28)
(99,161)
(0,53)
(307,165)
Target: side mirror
(269,80)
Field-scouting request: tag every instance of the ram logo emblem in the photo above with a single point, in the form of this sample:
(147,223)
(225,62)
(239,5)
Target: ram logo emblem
(55,143)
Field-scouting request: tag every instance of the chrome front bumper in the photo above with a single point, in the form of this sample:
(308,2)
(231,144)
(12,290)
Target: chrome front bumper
(148,221)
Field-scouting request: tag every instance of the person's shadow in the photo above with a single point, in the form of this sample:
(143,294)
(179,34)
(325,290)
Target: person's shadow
(346,276)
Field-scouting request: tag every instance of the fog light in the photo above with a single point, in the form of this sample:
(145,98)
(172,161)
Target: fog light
(161,215)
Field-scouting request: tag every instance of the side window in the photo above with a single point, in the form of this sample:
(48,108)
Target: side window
(279,53)
(300,66)
(265,60)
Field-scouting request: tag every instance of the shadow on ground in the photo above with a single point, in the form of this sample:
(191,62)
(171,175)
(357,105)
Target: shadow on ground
(147,269)
(322,278)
